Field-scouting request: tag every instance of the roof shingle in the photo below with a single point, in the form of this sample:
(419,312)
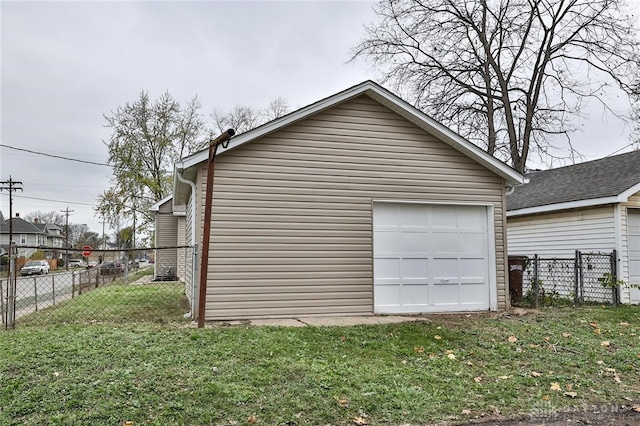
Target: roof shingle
(606,177)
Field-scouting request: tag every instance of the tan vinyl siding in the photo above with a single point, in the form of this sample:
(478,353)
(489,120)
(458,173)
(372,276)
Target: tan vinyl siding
(182,252)
(188,240)
(634,205)
(166,236)
(292,211)
(561,234)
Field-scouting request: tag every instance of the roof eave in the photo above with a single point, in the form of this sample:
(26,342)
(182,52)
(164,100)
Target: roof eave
(375,91)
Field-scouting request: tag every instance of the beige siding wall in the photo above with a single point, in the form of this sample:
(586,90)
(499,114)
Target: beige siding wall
(188,239)
(166,236)
(561,234)
(292,212)
(623,273)
(182,253)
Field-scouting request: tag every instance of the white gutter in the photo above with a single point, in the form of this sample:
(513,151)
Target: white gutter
(193,240)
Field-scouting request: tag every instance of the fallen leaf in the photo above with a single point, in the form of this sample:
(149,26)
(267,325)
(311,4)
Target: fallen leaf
(478,379)
(545,397)
(536,374)
(610,370)
(451,356)
(252,419)
(555,386)
(518,349)
(360,421)
(636,408)
(505,377)
(569,387)
(343,338)
(571,394)
(624,323)
(343,402)
(512,339)
(128,423)
(600,362)
(593,324)
(469,363)
(56,374)
(466,412)
(437,337)
(418,349)
(546,339)
(605,343)
(597,331)
(617,378)
(566,334)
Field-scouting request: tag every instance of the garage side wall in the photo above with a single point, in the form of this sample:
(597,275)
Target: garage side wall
(628,294)
(166,236)
(292,211)
(561,234)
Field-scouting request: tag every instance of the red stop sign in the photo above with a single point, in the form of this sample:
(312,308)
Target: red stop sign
(86,251)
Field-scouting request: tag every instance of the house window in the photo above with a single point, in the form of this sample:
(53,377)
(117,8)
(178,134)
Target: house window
(23,238)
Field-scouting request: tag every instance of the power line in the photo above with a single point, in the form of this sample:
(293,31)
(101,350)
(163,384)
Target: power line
(53,201)
(56,156)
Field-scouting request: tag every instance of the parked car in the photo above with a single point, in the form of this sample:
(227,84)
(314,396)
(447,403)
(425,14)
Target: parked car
(92,264)
(110,268)
(77,263)
(34,267)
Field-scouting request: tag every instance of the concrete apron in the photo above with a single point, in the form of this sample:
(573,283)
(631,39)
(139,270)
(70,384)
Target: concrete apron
(327,321)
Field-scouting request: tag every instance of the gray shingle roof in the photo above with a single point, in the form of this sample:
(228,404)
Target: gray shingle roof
(20,226)
(606,177)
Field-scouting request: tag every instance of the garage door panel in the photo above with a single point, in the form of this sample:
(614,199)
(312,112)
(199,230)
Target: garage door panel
(472,218)
(445,242)
(444,268)
(413,295)
(386,269)
(430,258)
(445,294)
(472,268)
(472,293)
(413,216)
(415,268)
(442,217)
(388,241)
(472,242)
(414,242)
(387,295)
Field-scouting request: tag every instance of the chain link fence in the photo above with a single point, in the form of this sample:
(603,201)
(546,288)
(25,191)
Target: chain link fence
(143,284)
(589,277)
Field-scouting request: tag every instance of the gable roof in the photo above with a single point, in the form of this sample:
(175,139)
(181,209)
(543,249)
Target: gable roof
(377,93)
(604,181)
(20,226)
(156,206)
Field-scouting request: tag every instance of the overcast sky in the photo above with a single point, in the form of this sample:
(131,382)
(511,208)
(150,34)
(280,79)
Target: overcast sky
(66,64)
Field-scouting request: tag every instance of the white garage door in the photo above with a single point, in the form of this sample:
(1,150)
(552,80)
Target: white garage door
(633,227)
(430,258)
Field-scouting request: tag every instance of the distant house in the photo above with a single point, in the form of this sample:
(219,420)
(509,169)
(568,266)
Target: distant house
(29,237)
(592,206)
(356,204)
(169,223)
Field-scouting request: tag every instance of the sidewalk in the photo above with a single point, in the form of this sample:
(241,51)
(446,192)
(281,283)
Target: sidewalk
(324,321)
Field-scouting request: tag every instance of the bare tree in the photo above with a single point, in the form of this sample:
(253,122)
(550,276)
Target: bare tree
(52,217)
(243,118)
(506,74)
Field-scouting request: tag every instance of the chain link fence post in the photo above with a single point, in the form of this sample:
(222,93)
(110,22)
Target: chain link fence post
(536,287)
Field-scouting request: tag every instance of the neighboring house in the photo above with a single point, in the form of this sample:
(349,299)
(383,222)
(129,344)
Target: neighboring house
(169,263)
(592,206)
(356,204)
(54,238)
(30,234)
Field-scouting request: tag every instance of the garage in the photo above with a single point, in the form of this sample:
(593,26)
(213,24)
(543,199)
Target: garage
(633,228)
(431,258)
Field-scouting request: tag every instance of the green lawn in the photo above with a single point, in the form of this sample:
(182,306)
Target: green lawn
(453,368)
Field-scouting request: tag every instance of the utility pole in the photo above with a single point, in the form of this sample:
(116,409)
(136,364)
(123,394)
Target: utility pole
(66,237)
(11,186)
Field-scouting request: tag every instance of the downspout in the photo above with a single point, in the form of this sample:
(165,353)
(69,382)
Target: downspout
(509,189)
(194,255)
(206,234)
